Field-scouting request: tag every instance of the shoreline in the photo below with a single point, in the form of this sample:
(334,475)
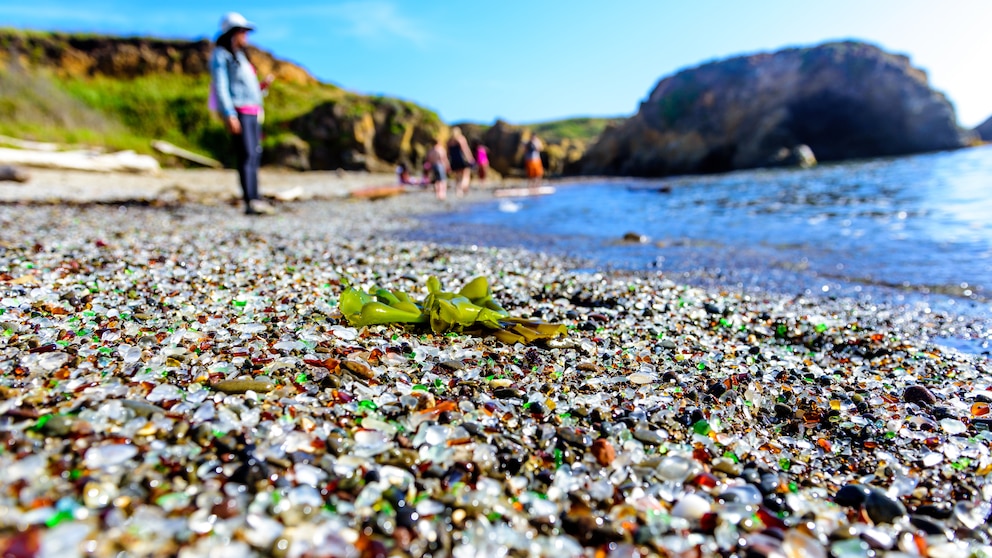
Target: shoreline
(719,271)
(210,187)
(204,186)
(670,419)
(200,186)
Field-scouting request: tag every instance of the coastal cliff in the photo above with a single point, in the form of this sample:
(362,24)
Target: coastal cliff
(831,102)
(984,130)
(843,100)
(121,92)
(80,56)
(147,88)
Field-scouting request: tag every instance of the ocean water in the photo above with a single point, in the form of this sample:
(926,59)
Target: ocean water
(900,229)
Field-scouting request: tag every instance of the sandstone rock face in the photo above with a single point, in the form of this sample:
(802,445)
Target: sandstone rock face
(81,56)
(842,100)
(506,149)
(353,132)
(374,134)
(287,151)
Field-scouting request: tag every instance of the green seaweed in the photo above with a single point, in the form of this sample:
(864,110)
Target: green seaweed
(470,310)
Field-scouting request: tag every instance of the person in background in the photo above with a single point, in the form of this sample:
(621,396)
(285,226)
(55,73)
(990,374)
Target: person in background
(461,160)
(403,174)
(428,175)
(532,161)
(239,102)
(437,159)
(482,162)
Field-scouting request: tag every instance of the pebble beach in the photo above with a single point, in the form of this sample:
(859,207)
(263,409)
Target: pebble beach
(176,379)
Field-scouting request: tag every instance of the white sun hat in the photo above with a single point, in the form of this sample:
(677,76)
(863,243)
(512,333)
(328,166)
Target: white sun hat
(234,20)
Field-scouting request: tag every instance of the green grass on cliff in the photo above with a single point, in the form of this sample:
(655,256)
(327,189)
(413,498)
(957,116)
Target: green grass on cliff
(129,113)
(174,108)
(33,106)
(40,103)
(585,130)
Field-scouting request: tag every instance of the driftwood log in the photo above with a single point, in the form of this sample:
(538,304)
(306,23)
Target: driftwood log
(121,161)
(170,149)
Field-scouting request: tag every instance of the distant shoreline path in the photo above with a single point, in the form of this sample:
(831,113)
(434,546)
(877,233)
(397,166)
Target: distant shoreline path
(199,185)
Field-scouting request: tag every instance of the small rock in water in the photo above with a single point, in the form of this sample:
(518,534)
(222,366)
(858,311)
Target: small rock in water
(850,548)
(359,369)
(972,515)
(675,468)
(919,395)
(953,426)
(501,382)
(58,425)
(691,506)
(712,308)
(743,494)
(800,545)
(102,457)
(508,393)
(603,451)
(574,437)
(641,378)
(243,386)
(649,437)
(589,367)
(783,411)
(142,408)
(881,508)
(928,525)
(851,495)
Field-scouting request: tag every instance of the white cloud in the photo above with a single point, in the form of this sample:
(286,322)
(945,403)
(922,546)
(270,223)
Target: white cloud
(373,21)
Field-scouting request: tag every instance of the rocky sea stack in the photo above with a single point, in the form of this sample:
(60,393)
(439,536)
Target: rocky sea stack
(984,130)
(844,100)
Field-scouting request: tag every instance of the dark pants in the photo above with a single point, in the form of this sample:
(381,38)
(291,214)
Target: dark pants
(248,148)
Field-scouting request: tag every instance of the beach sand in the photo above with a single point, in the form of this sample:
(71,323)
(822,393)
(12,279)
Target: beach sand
(201,185)
(177,379)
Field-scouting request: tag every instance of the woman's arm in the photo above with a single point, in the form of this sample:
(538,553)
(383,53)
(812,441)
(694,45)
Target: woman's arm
(466,150)
(222,88)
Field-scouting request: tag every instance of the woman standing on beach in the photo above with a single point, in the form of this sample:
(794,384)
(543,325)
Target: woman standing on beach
(461,160)
(482,162)
(532,161)
(239,102)
(437,161)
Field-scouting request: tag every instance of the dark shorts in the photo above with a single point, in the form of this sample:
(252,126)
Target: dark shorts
(458,163)
(437,173)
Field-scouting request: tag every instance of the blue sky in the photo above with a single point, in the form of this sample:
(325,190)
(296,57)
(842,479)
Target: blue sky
(534,60)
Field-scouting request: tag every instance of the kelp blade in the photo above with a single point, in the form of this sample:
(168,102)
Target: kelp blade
(352,300)
(471,308)
(377,313)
